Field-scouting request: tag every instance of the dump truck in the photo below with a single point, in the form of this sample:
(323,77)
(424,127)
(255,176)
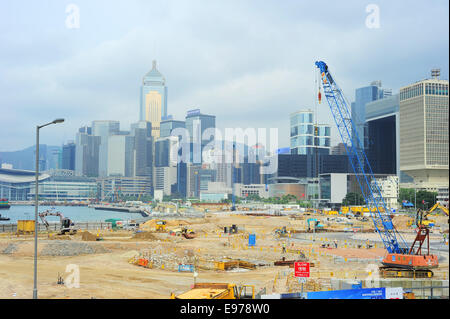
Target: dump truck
(208,290)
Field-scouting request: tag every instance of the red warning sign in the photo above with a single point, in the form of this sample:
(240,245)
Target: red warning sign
(301,269)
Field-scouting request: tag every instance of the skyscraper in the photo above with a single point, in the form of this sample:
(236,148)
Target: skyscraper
(104,129)
(196,124)
(363,96)
(307,137)
(165,151)
(86,153)
(143,148)
(120,155)
(68,156)
(168,124)
(424,132)
(382,145)
(153,99)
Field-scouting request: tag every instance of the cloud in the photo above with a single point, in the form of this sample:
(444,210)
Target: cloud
(250,63)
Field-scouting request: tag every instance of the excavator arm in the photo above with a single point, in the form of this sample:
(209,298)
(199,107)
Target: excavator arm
(66,223)
(50,213)
(438,206)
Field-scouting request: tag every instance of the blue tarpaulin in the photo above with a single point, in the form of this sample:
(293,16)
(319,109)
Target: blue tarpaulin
(407,204)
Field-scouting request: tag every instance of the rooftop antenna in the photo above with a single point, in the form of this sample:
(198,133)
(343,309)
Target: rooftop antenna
(435,73)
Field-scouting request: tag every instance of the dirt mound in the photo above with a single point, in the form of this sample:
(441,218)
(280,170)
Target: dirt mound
(87,236)
(205,228)
(60,237)
(400,222)
(151,224)
(145,235)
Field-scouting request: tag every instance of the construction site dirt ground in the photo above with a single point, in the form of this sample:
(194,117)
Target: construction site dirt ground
(105,268)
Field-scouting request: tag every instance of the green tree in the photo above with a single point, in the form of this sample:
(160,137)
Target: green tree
(353,199)
(406,194)
(254,197)
(417,197)
(425,199)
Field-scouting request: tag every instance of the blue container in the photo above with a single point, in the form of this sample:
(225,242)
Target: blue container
(251,240)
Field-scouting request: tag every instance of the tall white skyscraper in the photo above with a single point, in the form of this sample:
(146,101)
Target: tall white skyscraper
(424,132)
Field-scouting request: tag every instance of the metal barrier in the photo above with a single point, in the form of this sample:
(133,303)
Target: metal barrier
(433,292)
(12,228)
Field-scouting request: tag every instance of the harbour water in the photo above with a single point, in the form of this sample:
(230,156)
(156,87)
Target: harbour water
(75,213)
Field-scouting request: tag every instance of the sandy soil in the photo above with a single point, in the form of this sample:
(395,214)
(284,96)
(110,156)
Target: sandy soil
(105,271)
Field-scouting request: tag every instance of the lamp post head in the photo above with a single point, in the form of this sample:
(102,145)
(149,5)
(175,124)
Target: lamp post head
(58,121)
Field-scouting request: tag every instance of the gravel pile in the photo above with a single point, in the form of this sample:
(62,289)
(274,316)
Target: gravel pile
(10,249)
(64,248)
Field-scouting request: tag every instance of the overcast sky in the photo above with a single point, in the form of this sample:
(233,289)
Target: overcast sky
(250,63)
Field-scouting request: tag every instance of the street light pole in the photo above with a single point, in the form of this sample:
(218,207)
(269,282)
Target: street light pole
(36,203)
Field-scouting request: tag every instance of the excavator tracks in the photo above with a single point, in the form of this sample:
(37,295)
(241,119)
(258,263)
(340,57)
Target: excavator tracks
(390,272)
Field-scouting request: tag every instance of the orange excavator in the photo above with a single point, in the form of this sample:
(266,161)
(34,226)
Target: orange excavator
(417,263)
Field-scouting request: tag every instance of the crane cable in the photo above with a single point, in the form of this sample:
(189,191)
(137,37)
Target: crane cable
(315,133)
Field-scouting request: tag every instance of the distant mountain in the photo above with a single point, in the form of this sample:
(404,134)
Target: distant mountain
(49,157)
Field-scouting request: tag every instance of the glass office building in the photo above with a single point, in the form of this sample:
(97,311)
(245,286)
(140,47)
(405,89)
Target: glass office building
(196,124)
(382,144)
(168,125)
(363,96)
(104,129)
(306,136)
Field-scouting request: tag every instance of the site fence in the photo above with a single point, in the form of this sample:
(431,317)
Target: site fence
(435,292)
(422,288)
(12,228)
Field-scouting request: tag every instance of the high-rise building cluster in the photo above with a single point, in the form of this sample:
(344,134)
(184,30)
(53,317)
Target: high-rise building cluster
(404,135)
(146,159)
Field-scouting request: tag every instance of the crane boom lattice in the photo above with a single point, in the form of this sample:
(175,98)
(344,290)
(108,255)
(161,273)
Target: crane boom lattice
(391,238)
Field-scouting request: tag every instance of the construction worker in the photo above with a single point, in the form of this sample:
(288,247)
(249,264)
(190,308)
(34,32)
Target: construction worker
(445,238)
(284,247)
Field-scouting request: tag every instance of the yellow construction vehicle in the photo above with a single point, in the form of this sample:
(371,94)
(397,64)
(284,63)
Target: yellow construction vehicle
(208,290)
(422,216)
(160,225)
(281,232)
(439,206)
